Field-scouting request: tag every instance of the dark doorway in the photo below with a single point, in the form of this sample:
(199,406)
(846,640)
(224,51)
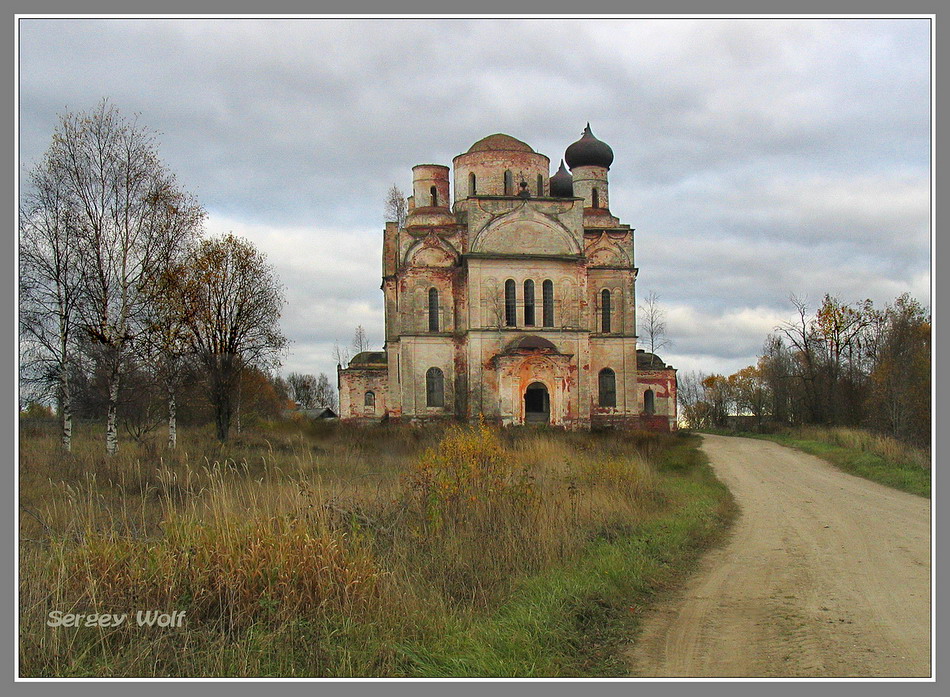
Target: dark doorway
(537,404)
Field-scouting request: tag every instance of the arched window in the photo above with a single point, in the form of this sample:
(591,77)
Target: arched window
(595,198)
(510,305)
(369,400)
(605,311)
(435,388)
(529,303)
(547,295)
(607,384)
(433,310)
(540,185)
(434,193)
(509,183)
(471,183)
(648,402)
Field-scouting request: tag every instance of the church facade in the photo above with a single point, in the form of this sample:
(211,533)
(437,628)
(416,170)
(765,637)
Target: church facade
(514,299)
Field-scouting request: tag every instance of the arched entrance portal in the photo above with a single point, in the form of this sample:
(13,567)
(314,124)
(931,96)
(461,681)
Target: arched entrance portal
(537,404)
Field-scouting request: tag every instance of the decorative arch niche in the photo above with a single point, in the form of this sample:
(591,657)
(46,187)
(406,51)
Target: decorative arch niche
(431,251)
(528,232)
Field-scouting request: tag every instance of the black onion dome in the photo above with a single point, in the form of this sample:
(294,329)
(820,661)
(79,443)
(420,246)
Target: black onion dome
(562,183)
(589,151)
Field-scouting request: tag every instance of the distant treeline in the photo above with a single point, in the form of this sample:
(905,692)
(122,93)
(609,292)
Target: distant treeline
(142,404)
(841,365)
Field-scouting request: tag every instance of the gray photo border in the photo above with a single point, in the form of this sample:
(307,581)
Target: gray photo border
(8,414)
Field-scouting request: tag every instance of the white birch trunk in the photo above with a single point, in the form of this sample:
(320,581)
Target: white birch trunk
(112,438)
(172,425)
(65,410)
(67,414)
(237,415)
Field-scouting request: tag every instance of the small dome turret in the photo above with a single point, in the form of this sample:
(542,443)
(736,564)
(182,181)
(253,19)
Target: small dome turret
(562,184)
(589,151)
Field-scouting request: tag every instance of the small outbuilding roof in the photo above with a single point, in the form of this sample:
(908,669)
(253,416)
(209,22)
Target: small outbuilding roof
(650,361)
(368,358)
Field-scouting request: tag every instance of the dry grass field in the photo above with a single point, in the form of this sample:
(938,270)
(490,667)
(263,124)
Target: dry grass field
(325,550)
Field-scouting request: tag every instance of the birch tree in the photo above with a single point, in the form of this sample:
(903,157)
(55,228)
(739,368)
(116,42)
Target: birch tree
(653,323)
(396,207)
(129,217)
(360,342)
(49,287)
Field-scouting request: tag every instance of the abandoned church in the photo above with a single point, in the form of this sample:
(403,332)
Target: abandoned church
(514,299)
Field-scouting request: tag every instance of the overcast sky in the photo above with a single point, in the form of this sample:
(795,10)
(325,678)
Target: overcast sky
(754,158)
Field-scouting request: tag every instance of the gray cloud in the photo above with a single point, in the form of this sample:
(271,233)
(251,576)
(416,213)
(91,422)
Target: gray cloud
(756,158)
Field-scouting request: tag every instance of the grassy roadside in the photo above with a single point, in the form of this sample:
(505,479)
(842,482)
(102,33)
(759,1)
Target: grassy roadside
(882,460)
(373,552)
(575,621)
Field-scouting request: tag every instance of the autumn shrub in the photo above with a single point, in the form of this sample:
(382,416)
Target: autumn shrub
(468,471)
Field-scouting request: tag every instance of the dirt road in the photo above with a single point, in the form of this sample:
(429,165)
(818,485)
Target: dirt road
(824,575)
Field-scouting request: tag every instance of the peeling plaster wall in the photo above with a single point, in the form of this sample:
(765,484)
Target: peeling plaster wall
(354,384)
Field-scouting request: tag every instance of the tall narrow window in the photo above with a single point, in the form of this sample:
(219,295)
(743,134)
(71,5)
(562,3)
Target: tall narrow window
(605,311)
(434,194)
(471,184)
(369,399)
(648,402)
(529,303)
(607,383)
(547,295)
(540,185)
(433,310)
(510,306)
(435,388)
(595,198)
(509,183)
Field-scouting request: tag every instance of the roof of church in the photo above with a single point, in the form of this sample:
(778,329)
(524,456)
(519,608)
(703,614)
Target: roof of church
(589,151)
(650,361)
(562,183)
(500,141)
(369,358)
(531,342)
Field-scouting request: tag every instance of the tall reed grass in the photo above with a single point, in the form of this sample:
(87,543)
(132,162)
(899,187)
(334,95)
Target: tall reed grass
(886,447)
(349,542)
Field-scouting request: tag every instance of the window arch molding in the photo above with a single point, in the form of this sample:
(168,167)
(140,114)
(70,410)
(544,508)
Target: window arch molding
(547,303)
(511,303)
(433,307)
(607,388)
(605,311)
(435,387)
(529,314)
